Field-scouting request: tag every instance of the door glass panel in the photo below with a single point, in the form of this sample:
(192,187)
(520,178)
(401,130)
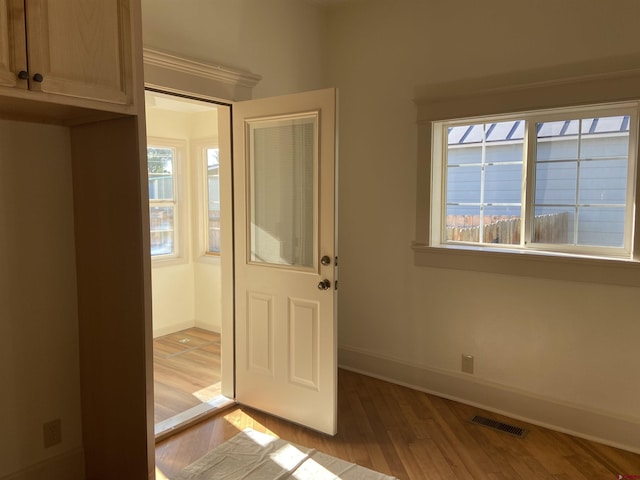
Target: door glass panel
(282,191)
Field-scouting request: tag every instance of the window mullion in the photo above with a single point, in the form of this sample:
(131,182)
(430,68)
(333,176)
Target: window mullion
(632,225)
(483,165)
(528,182)
(578,208)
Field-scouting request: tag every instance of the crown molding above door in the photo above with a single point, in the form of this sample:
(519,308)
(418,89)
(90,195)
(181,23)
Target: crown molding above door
(171,72)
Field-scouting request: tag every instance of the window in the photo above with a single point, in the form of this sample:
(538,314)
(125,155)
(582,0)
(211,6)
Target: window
(163,158)
(213,200)
(558,181)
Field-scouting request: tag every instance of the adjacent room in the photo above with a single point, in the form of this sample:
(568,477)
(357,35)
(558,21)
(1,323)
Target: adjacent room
(184,207)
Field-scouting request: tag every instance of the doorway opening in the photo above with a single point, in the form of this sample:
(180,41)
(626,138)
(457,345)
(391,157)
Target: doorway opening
(186,146)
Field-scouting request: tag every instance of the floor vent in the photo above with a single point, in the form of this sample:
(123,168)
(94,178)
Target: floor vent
(503,427)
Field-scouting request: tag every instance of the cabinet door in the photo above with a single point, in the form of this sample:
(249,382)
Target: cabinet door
(13,51)
(80,48)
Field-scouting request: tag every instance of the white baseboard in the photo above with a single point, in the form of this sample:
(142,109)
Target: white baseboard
(207,326)
(68,465)
(176,327)
(603,427)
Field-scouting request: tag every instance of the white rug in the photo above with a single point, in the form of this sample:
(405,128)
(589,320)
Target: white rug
(252,455)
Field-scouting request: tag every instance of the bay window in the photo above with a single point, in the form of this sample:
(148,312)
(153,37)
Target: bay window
(163,166)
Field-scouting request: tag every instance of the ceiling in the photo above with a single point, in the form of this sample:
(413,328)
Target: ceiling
(174,103)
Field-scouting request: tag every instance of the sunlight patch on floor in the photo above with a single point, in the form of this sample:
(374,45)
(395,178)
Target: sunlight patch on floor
(160,475)
(208,393)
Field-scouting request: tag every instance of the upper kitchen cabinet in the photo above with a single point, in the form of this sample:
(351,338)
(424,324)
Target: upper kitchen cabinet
(76,54)
(13,49)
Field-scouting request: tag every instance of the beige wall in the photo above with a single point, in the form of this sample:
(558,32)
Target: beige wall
(39,359)
(567,343)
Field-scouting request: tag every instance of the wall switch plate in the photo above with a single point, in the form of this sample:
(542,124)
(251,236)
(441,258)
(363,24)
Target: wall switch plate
(467,363)
(52,433)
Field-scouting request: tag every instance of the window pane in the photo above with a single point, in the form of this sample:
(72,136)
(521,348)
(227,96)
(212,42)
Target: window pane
(603,182)
(557,149)
(582,164)
(160,163)
(213,200)
(505,152)
(554,225)
(605,146)
(474,134)
(462,223)
(464,155)
(162,230)
(556,183)
(601,226)
(484,182)
(282,191)
(503,183)
(502,225)
(502,131)
(463,184)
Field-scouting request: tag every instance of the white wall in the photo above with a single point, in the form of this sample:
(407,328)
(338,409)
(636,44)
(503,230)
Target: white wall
(564,343)
(282,40)
(39,358)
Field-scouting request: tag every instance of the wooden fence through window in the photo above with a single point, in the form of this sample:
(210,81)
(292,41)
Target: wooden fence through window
(552,228)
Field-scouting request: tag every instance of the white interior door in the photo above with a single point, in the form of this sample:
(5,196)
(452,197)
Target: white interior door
(285,257)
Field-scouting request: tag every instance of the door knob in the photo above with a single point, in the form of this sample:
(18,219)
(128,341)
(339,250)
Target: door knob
(23,75)
(324,285)
(326,260)
(38,77)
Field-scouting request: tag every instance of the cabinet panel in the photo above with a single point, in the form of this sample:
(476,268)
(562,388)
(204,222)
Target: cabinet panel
(13,53)
(81,48)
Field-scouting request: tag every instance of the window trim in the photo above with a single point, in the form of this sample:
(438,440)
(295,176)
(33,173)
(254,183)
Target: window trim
(181,250)
(505,95)
(199,163)
(529,142)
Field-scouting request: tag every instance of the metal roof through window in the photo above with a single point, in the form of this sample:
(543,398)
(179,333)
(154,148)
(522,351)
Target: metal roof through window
(514,130)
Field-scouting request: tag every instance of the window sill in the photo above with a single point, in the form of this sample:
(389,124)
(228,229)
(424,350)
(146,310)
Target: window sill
(209,258)
(529,264)
(167,261)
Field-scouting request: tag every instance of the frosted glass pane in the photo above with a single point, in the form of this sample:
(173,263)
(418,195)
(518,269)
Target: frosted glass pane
(282,174)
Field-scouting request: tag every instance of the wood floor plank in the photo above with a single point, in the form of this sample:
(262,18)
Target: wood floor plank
(186,369)
(407,456)
(614,459)
(414,436)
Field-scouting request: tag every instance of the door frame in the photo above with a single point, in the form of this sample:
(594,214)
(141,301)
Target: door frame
(227,283)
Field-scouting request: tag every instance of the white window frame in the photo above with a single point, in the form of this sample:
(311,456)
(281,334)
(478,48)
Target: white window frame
(180,251)
(199,164)
(439,141)
(536,91)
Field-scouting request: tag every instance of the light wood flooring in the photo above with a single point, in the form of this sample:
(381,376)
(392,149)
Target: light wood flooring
(186,371)
(413,435)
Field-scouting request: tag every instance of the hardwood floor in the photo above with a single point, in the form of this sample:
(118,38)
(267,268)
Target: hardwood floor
(186,371)
(413,435)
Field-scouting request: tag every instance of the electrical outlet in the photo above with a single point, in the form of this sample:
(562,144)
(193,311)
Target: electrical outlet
(467,363)
(52,433)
